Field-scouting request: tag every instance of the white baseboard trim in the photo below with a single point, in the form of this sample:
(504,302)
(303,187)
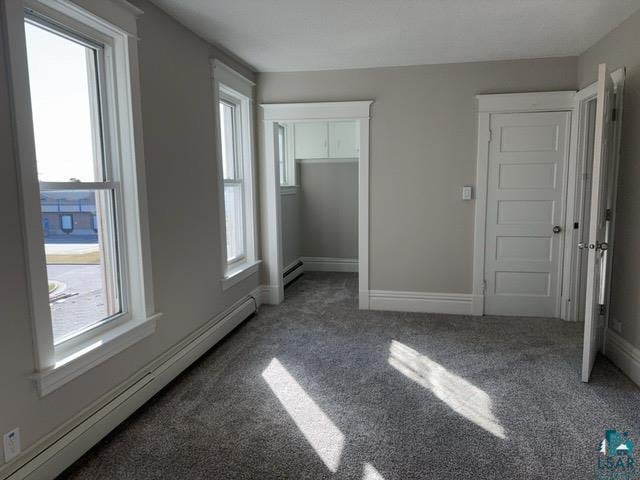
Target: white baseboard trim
(328,264)
(55,452)
(624,355)
(477,305)
(295,269)
(452,303)
(364,300)
(270,295)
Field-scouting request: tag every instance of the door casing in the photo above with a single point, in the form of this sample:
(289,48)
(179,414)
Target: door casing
(561,101)
(577,104)
(270,209)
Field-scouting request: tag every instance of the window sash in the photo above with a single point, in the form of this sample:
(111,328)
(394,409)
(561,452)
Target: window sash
(112,260)
(100,45)
(241,221)
(236,135)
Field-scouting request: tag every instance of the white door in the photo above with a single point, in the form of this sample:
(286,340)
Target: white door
(599,225)
(528,154)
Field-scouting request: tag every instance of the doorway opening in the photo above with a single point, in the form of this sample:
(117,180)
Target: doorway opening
(315,192)
(318,164)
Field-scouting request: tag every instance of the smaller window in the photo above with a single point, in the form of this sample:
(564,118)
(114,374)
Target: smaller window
(286,161)
(233,111)
(234,185)
(282,155)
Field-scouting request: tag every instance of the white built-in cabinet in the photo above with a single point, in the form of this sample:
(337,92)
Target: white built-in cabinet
(312,140)
(344,141)
(316,140)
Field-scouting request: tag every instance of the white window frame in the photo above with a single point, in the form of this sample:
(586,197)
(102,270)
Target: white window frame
(113,23)
(231,86)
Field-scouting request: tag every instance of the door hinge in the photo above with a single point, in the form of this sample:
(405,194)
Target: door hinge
(484,286)
(490,135)
(608,215)
(603,309)
(614,114)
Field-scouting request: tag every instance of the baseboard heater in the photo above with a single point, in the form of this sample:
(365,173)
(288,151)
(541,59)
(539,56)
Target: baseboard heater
(292,272)
(58,450)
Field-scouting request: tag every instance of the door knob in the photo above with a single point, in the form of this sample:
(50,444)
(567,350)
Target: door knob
(603,246)
(583,245)
(557,229)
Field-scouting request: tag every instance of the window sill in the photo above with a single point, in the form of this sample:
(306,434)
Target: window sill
(288,189)
(93,352)
(239,273)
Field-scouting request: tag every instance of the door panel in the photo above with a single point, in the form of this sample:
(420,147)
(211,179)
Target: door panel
(527,249)
(529,138)
(527,175)
(597,274)
(525,212)
(528,153)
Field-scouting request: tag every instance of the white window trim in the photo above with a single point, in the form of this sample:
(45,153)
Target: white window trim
(115,19)
(234,83)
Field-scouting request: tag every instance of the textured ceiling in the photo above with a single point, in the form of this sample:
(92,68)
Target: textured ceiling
(289,35)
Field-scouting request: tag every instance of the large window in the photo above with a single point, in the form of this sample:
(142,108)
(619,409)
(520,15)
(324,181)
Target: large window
(233,95)
(77,111)
(83,269)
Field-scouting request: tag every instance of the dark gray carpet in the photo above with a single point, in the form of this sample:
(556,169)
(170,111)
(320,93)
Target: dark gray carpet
(315,388)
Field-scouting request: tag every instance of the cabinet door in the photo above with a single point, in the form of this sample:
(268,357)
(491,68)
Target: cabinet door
(311,140)
(344,141)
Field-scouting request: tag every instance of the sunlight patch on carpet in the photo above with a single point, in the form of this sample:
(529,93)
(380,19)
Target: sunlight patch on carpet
(370,473)
(460,395)
(321,433)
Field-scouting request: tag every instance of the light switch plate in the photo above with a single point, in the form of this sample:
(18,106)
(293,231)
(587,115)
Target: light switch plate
(467,192)
(11,441)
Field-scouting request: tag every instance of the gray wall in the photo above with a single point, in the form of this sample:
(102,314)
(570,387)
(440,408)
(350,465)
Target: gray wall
(290,219)
(329,209)
(185,241)
(622,48)
(423,149)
